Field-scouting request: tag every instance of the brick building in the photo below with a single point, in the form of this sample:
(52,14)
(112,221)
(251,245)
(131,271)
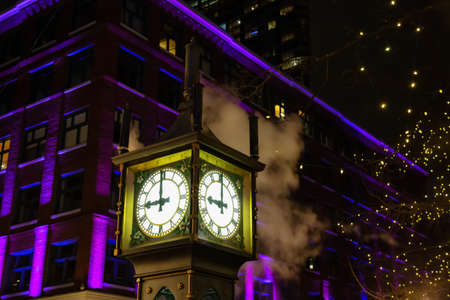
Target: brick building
(68,69)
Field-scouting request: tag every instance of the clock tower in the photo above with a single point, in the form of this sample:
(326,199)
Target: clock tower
(187,215)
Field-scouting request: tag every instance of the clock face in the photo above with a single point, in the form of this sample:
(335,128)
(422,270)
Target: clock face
(162,202)
(220,205)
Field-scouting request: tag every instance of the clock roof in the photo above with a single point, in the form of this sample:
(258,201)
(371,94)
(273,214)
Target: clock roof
(205,138)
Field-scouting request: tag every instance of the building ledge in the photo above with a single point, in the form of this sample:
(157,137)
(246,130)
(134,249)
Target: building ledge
(71,149)
(140,35)
(66,213)
(88,295)
(79,29)
(31,162)
(20,225)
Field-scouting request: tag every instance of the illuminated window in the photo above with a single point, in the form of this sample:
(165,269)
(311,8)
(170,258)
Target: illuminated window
(41,82)
(34,142)
(62,262)
(70,191)
(76,129)
(18,273)
(83,13)
(27,203)
(7,94)
(4,152)
(117,270)
(133,14)
(279,111)
(271,25)
(286,10)
(168,42)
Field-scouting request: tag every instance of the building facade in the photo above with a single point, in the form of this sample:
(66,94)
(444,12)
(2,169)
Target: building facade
(68,69)
(277,30)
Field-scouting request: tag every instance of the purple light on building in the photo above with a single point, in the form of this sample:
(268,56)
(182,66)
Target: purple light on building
(37,271)
(249,281)
(3,243)
(98,251)
(269,275)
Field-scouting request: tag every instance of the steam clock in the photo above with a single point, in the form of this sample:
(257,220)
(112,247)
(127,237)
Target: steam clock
(187,218)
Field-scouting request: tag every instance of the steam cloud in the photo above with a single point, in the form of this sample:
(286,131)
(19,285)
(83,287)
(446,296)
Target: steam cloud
(134,136)
(287,233)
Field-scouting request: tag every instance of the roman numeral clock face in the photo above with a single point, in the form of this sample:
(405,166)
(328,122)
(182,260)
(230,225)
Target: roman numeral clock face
(162,202)
(219,203)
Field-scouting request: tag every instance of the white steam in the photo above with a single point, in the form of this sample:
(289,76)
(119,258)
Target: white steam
(286,232)
(135,133)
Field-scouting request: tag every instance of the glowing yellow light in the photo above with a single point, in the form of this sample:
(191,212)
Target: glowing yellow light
(387,49)
(413,84)
(362,69)
(418,29)
(361,33)
(399,24)
(409,110)
(267,117)
(383,105)
(415,72)
(341,171)
(392,2)
(441,91)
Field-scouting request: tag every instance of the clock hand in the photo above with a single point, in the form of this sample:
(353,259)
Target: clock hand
(219,204)
(161,201)
(221,193)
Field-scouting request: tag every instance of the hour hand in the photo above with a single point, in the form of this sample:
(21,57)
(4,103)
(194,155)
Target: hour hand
(220,204)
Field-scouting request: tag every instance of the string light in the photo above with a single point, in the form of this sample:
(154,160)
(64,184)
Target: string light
(418,29)
(409,110)
(415,72)
(393,3)
(399,24)
(362,69)
(387,49)
(383,105)
(413,84)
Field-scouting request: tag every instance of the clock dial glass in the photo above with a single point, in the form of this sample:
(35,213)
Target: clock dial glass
(220,206)
(162,202)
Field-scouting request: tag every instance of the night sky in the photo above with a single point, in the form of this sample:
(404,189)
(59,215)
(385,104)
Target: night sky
(389,52)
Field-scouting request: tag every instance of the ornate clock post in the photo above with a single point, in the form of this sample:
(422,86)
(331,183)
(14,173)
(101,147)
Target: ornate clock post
(187,221)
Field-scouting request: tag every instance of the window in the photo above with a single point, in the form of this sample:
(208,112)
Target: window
(62,262)
(272,25)
(27,203)
(41,81)
(287,37)
(80,66)
(7,94)
(286,10)
(4,152)
(232,74)
(170,89)
(83,12)
(46,28)
(70,191)
(133,14)
(34,143)
(76,129)
(279,111)
(135,126)
(19,271)
(131,69)
(11,45)
(168,40)
(114,194)
(117,270)
(160,131)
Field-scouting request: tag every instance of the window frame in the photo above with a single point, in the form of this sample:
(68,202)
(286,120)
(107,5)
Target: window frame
(116,262)
(4,143)
(82,62)
(41,84)
(7,94)
(38,142)
(131,69)
(24,200)
(17,267)
(65,201)
(128,16)
(65,261)
(77,127)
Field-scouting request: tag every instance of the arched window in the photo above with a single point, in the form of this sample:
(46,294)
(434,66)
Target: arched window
(164,294)
(211,294)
